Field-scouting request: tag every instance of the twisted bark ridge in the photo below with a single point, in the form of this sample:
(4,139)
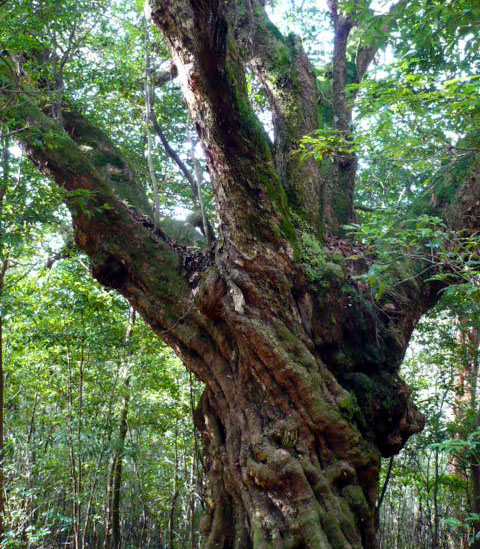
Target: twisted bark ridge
(300,362)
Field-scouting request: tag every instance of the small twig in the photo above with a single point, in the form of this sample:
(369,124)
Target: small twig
(384,489)
(189,310)
(368,209)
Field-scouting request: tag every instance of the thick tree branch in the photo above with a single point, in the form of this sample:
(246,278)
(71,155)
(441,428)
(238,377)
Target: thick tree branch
(342,113)
(412,286)
(212,77)
(105,202)
(341,195)
(106,158)
(289,82)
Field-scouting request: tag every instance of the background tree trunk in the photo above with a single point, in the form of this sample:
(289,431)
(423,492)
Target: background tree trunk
(3,271)
(112,521)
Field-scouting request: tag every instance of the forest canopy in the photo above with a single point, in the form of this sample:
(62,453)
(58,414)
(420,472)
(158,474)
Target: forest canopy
(239,269)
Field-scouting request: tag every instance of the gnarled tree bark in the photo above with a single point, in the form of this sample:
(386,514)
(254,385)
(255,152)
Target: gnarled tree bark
(300,362)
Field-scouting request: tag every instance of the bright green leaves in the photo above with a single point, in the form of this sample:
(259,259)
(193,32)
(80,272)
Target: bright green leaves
(326,143)
(67,361)
(449,257)
(418,112)
(420,116)
(440,32)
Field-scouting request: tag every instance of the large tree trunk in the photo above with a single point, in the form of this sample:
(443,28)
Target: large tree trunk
(299,360)
(297,412)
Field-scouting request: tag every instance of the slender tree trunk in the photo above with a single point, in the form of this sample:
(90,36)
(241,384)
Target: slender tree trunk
(79,507)
(198,176)
(109,499)
(173,503)
(112,524)
(118,469)
(30,458)
(378,504)
(148,95)
(75,494)
(93,489)
(194,476)
(475,482)
(191,509)
(418,531)
(400,523)
(436,518)
(466,407)
(3,270)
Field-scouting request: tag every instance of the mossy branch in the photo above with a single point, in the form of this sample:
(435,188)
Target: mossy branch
(101,193)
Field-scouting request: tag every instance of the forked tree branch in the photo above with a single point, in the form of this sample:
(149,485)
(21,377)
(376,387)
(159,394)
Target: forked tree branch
(366,51)
(212,76)
(106,202)
(376,37)
(288,79)
(341,194)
